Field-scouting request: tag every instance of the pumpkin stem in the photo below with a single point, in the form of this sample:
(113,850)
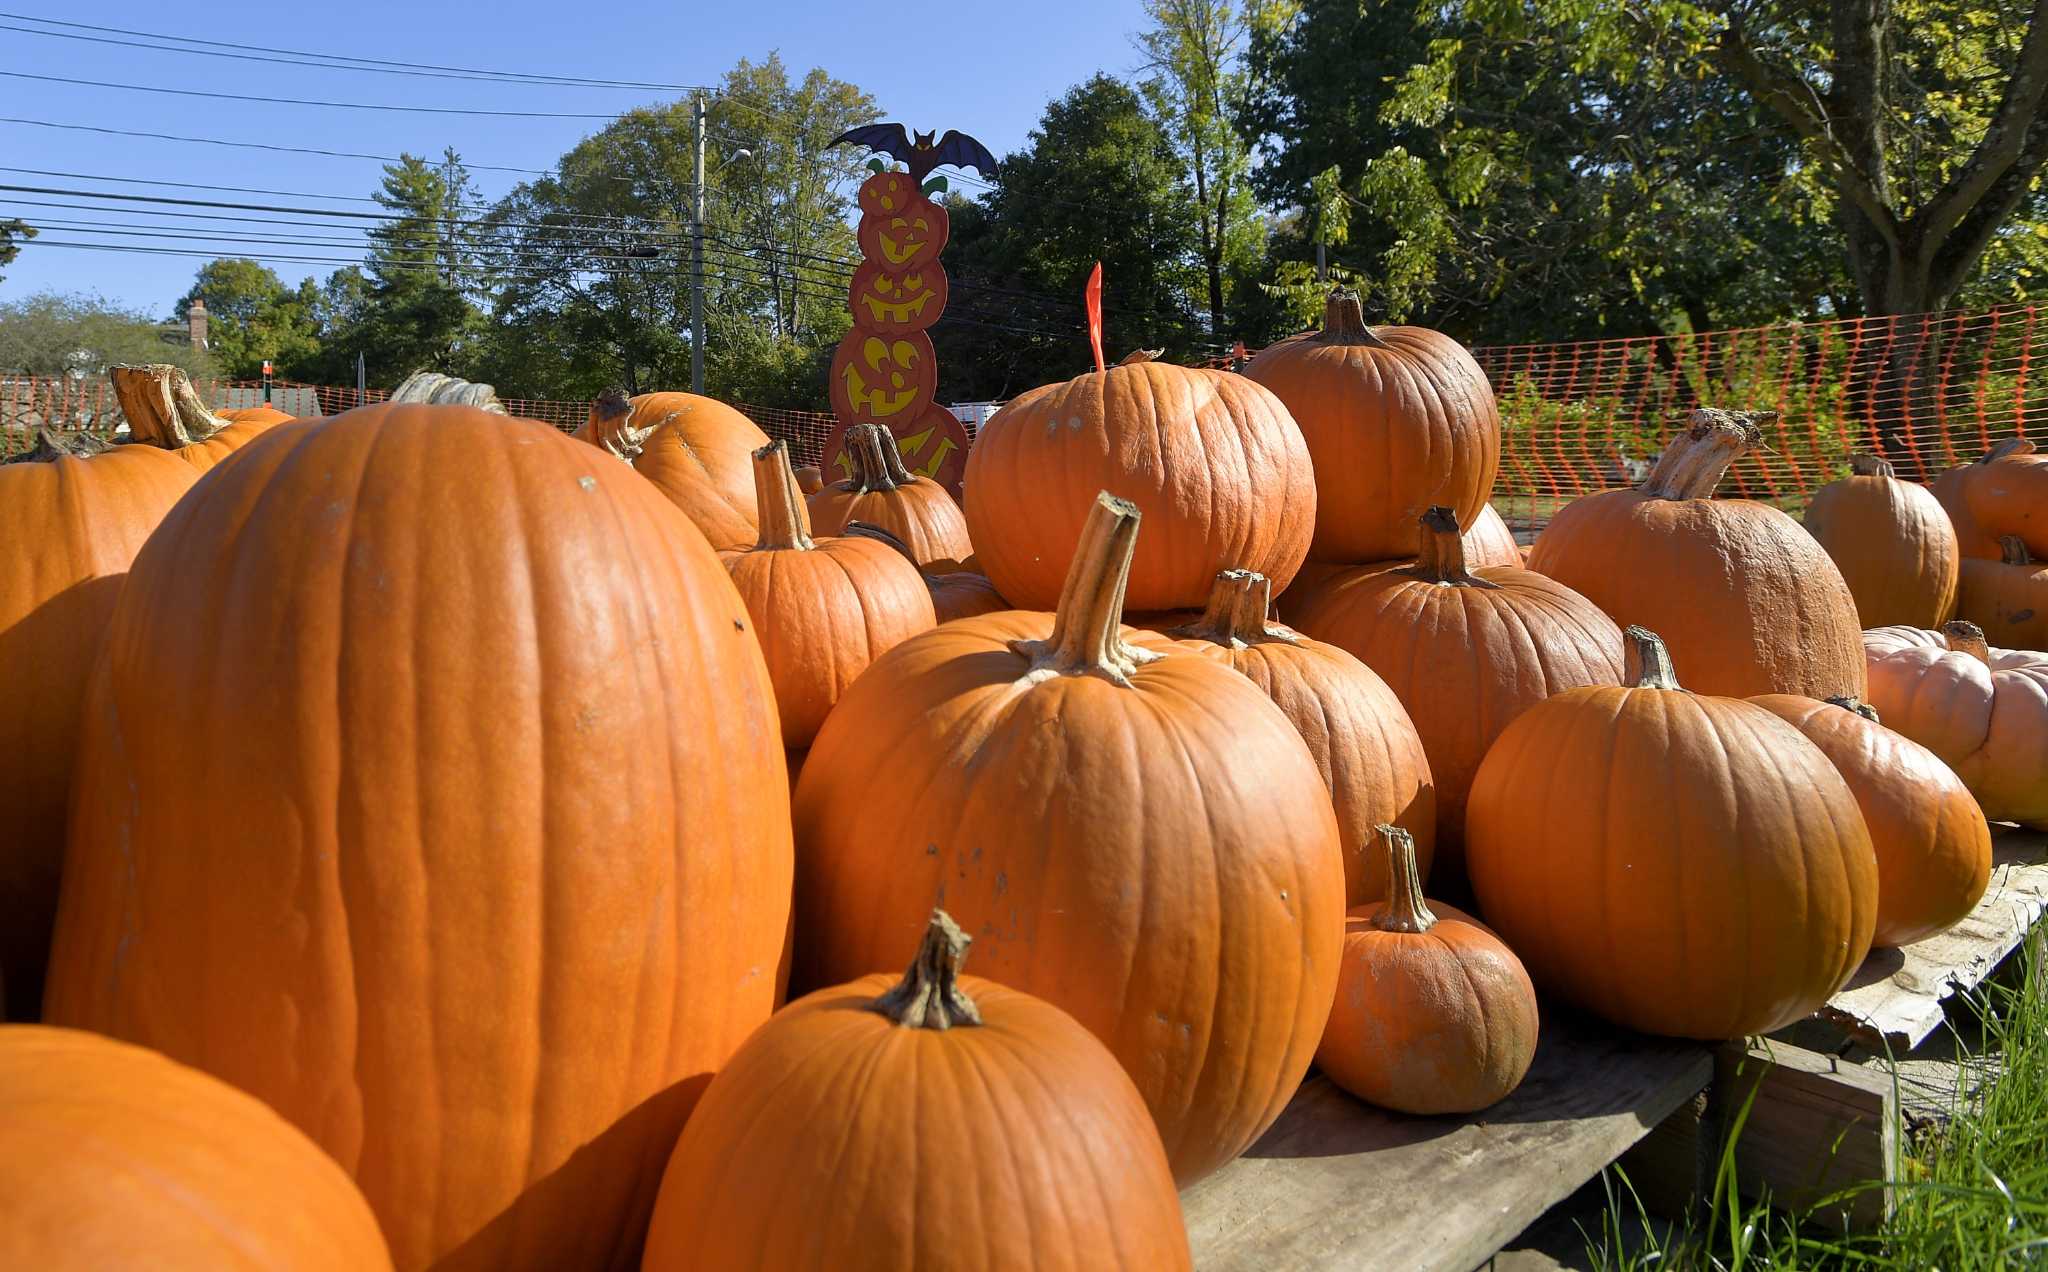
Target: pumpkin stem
(1442,558)
(1871,466)
(2013,550)
(1965,637)
(892,457)
(1236,614)
(871,470)
(1860,707)
(1344,322)
(1695,461)
(162,407)
(2007,449)
(1405,911)
(1087,631)
(785,521)
(1136,356)
(609,406)
(1646,663)
(929,995)
(50,447)
(869,530)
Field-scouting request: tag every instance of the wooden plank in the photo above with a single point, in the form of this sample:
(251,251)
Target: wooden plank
(1808,1126)
(1339,1184)
(1896,1000)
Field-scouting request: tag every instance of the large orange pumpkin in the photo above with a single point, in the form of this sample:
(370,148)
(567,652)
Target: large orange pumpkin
(1433,1015)
(699,452)
(881,492)
(1747,602)
(163,410)
(113,1157)
(1933,845)
(988,1130)
(1984,711)
(1466,651)
(2008,598)
(72,519)
(1396,418)
(1892,542)
(1130,831)
(1363,742)
(1678,863)
(459,835)
(1212,459)
(823,608)
(2005,492)
(1488,541)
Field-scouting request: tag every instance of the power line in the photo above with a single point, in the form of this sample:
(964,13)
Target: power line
(260,145)
(301,101)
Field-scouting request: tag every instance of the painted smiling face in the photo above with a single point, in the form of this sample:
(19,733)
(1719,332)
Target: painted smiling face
(907,239)
(879,379)
(890,301)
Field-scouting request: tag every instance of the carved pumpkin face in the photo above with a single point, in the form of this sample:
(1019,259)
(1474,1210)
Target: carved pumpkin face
(890,301)
(907,239)
(933,444)
(880,379)
(888,193)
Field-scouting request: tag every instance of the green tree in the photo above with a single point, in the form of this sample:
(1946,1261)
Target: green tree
(252,316)
(11,229)
(53,334)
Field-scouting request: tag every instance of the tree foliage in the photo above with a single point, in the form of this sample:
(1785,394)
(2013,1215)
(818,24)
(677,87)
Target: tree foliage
(11,229)
(252,316)
(50,334)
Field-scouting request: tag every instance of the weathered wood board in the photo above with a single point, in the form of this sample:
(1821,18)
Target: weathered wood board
(1339,1184)
(1895,1000)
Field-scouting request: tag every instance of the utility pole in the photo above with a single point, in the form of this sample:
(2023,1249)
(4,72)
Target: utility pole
(697,251)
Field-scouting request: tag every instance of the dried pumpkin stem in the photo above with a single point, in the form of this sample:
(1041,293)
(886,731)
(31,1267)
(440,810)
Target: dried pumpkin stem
(1344,322)
(1965,637)
(892,457)
(2006,449)
(1646,663)
(1405,911)
(1857,705)
(870,460)
(1236,614)
(2013,550)
(1087,632)
(162,407)
(1871,466)
(929,995)
(1442,556)
(52,446)
(785,521)
(1696,460)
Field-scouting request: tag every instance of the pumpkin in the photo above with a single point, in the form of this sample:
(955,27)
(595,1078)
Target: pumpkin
(961,593)
(900,227)
(2007,598)
(810,479)
(1368,752)
(1212,459)
(2005,492)
(1932,843)
(1678,863)
(1488,541)
(700,453)
(1745,599)
(1984,711)
(881,492)
(1396,418)
(892,301)
(432,388)
(877,379)
(113,1157)
(988,1130)
(1131,831)
(823,608)
(72,514)
(418,846)
(610,427)
(1434,1014)
(1465,651)
(1892,542)
(164,410)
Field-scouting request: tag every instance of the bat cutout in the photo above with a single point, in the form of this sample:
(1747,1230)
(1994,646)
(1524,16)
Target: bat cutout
(921,154)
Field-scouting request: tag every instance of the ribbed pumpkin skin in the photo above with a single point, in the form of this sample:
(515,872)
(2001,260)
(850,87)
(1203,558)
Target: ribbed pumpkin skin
(72,527)
(921,514)
(1213,461)
(1933,846)
(1680,864)
(1986,720)
(2010,602)
(1894,546)
(1992,498)
(113,1157)
(244,426)
(703,461)
(1160,860)
(1490,542)
(1746,600)
(839,1141)
(1391,430)
(418,845)
(964,594)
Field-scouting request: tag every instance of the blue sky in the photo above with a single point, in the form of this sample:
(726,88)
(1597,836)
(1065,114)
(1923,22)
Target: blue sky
(985,69)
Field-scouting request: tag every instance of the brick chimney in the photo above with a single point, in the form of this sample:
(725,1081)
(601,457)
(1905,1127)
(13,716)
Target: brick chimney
(195,322)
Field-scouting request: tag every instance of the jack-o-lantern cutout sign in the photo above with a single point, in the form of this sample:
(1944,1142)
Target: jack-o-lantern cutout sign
(878,379)
(892,301)
(933,445)
(888,194)
(907,239)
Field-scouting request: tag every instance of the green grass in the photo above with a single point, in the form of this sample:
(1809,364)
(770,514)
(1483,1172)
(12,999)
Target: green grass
(1973,1192)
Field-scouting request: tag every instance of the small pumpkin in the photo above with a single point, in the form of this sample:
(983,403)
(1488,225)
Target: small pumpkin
(961,593)
(1932,843)
(2003,493)
(1434,1014)
(989,1130)
(810,479)
(1396,419)
(1488,541)
(1744,598)
(1984,711)
(1213,460)
(1678,863)
(1465,651)
(2007,598)
(1129,830)
(112,1156)
(700,453)
(1366,748)
(164,410)
(1892,542)
(883,493)
(823,608)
